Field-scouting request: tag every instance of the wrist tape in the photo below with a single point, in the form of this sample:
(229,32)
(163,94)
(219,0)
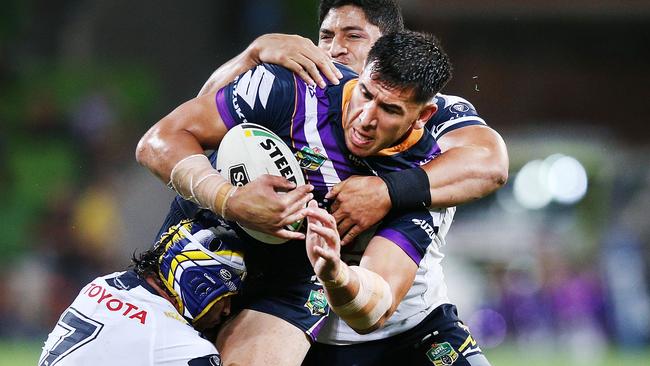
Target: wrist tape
(408,189)
(341,280)
(194,179)
(371,302)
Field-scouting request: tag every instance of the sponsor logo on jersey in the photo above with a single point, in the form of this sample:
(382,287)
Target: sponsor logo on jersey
(238,175)
(460,107)
(225,274)
(317,302)
(442,354)
(310,159)
(279,160)
(175,316)
(424,225)
(115,305)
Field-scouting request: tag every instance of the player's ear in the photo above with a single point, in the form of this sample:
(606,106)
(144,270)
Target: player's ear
(425,114)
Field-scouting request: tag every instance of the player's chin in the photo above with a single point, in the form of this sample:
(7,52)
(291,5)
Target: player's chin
(363,152)
(204,324)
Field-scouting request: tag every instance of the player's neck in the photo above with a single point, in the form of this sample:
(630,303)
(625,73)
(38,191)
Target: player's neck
(157,286)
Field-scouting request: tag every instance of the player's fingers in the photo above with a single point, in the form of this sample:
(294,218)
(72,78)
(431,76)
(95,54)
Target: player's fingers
(293,202)
(288,234)
(350,235)
(344,226)
(331,236)
(311,66)
(278,183)
(321,215)
(333,70)
(325,253)
(334,191)
(323,62)
(289,220)
(299,70)
(326,66)
(338,215)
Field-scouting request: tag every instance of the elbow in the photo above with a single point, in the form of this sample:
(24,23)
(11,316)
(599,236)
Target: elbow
(498,163)
(151,148)
(379,323)
(499,176)
(374,327)
(143,150)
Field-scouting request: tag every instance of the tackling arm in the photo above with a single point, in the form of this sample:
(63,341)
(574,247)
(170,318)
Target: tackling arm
(473,164)
(364,296)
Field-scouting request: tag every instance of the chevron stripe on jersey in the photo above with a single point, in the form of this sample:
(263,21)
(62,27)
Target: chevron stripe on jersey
(453,113)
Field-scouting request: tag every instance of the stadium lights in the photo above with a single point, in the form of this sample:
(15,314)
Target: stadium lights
(558,178)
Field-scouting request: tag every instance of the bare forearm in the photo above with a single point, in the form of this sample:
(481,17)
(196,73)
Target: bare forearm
(467,171)
(463,174)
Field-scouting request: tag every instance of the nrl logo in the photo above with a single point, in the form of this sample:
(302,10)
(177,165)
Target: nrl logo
(317,302)
(442,354)
(310,159)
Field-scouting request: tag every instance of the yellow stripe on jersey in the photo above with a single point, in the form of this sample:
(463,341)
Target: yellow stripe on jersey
(467,342)
(345,100)
(413,137)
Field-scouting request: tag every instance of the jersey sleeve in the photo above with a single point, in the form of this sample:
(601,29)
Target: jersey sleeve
(453,113)
(413,231)
(209,360)
(264,95)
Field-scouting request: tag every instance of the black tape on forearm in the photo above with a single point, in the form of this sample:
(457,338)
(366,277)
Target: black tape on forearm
(408,189)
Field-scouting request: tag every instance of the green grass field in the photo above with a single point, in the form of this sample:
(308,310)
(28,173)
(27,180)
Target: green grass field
(27,353)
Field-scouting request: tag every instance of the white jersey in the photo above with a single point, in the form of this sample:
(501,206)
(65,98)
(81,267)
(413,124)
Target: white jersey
(118,319)
(428,292)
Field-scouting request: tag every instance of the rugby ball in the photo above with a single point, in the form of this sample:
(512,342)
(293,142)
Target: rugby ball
(248,151)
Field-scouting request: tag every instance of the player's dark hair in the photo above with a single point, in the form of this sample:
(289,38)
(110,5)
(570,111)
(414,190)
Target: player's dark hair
(146,263)
(385,14)
(410,60)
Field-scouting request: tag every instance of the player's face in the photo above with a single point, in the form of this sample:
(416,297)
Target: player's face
(378,117)
(213,316)
(347,36)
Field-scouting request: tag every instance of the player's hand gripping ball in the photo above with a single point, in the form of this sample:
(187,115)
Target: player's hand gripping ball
(248,151)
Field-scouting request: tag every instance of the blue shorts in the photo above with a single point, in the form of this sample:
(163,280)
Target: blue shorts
(301,303)
(441,339)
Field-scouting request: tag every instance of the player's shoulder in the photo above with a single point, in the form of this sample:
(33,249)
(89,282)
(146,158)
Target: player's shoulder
(453,112)
(454,105)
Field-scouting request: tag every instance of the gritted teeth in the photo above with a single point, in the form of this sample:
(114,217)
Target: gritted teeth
(361,137)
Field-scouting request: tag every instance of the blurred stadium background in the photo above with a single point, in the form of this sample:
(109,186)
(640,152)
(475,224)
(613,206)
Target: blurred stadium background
(553,269)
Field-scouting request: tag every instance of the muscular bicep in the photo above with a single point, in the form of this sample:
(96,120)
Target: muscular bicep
(391,262)
(191,128)
(476,136)
(473,164)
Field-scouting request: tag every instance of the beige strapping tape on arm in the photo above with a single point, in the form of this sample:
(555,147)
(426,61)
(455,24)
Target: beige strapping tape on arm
(196,180)
(371,302)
